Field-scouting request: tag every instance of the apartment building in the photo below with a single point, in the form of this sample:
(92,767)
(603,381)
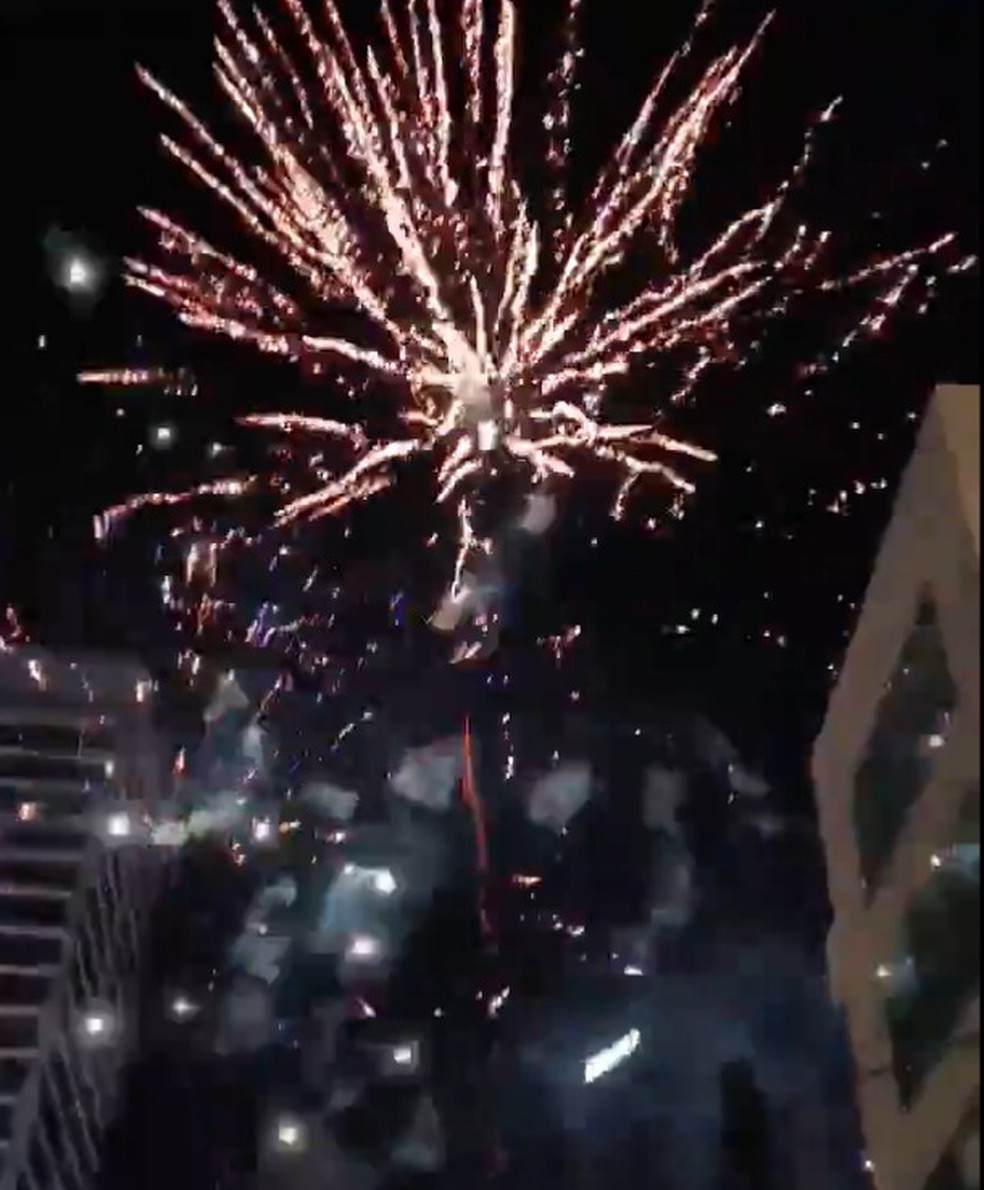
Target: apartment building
(79,765)
(897,775)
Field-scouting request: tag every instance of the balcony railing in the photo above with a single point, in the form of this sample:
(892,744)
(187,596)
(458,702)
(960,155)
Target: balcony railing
(72,907)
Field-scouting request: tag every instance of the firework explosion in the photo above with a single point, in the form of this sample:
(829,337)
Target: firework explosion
(385,182)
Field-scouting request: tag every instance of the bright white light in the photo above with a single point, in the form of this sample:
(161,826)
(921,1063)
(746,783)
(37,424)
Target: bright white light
(405,1056)
(291,1134)
(384,882)
(634,971)
(119,825)
(488,435)
(182,1008)
(79,274)
(960,859)
(498,1001)
(614,1055)
(401,1061)
(262,830)
(935,741)
(364,948)
(97,1026)
(901,975)
(162,436)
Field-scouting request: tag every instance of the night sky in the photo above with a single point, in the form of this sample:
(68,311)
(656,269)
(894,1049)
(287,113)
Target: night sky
(743,608)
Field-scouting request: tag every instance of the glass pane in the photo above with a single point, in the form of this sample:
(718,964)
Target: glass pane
(910,729)
(943,971)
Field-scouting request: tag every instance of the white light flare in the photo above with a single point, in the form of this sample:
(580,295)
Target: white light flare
(98,1026)
(290,1135)
(606,1060)
(182,1008)
(364,949)
(79,273)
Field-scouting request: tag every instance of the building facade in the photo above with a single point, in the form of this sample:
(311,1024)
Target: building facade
(897,775)
(80,765)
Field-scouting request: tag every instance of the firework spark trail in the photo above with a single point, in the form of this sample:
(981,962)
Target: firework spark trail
(473,800)
(558,126)
(107,521)
(386,184)
(12,631)
(178,383)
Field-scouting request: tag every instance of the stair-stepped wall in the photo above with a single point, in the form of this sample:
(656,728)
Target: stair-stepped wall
(77,747)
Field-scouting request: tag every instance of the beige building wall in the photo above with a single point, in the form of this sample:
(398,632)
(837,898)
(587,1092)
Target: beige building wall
(930,555)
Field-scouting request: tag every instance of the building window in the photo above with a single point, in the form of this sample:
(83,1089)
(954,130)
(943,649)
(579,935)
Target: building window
(911,728)
(931,985)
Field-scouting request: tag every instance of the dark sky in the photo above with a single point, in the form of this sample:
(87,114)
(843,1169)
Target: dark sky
(759,551)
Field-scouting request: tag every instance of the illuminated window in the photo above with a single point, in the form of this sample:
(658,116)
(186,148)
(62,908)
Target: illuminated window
(941,974)
(910,731)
